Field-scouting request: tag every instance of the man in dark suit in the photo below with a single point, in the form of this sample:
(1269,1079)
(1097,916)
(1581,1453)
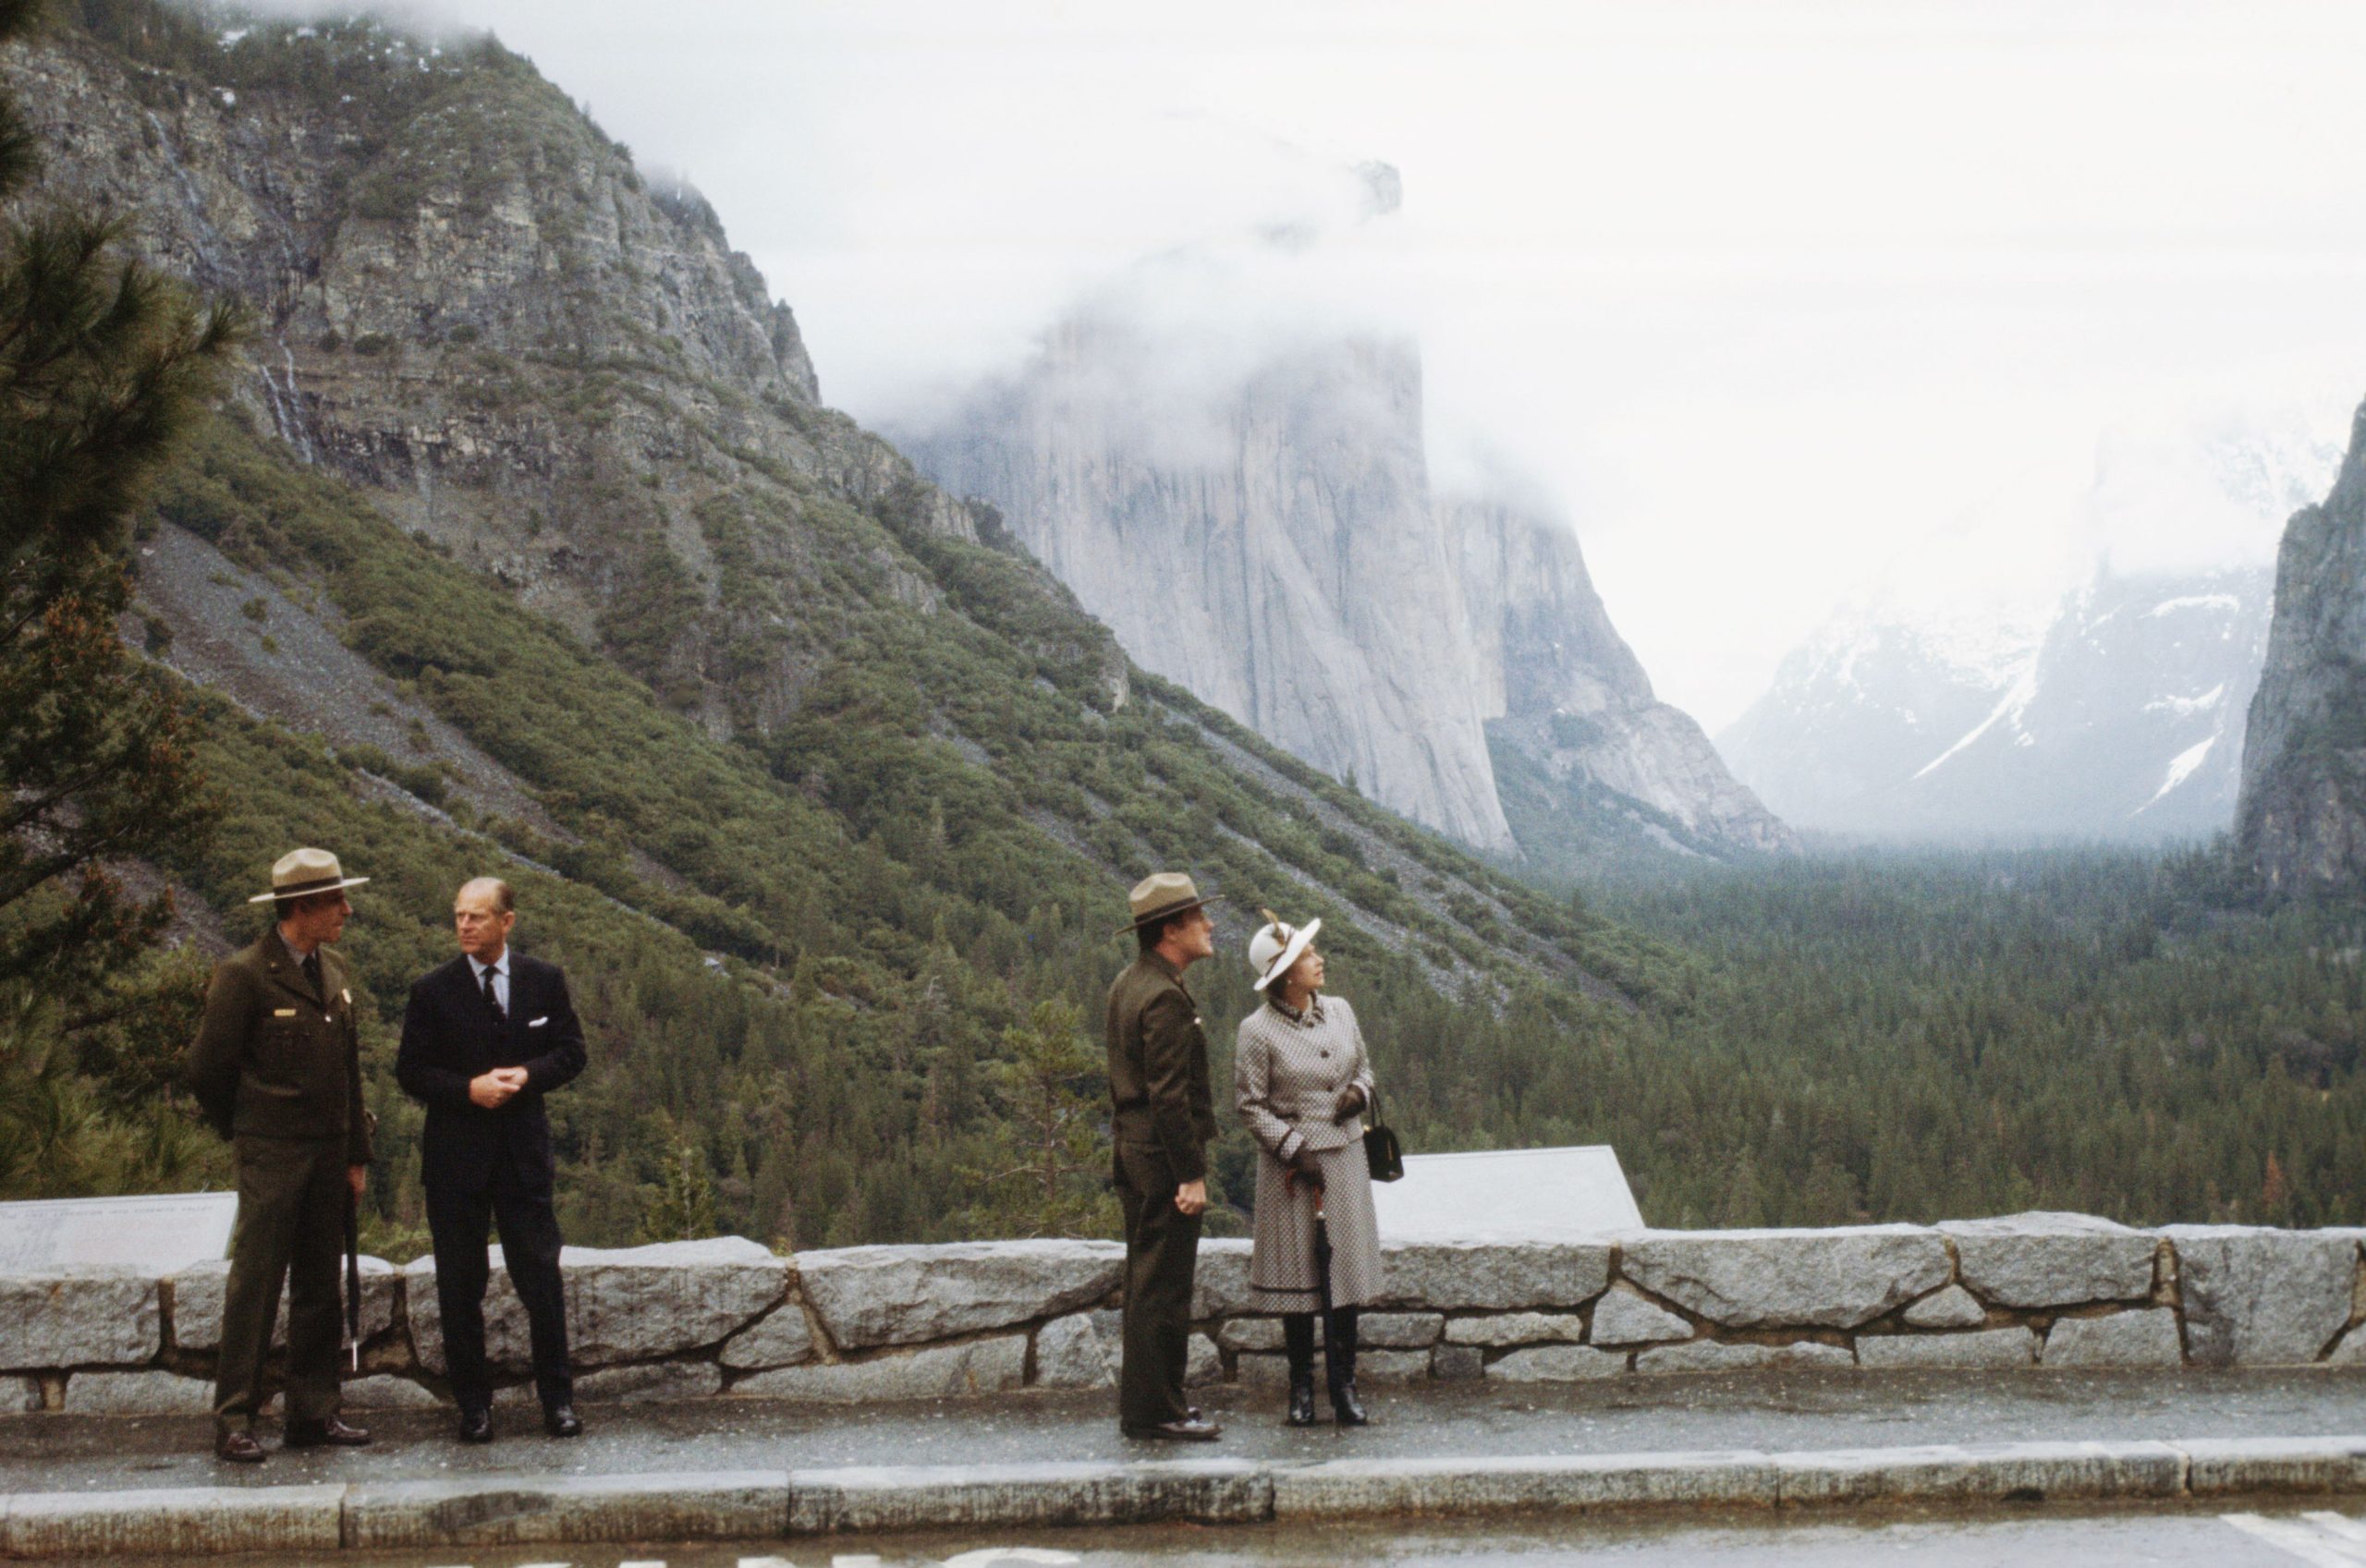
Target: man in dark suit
(277,1067)
(484,1038)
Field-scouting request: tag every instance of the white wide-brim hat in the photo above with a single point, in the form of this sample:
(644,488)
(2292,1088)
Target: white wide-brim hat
(1275,947)
(302,872)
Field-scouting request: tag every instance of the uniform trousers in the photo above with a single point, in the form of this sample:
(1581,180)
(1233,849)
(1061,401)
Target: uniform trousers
(290,1232)
(1162,1253)
(458,1219)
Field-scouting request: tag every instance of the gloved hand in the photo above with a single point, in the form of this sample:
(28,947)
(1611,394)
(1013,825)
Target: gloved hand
(1302,1168)
(1349,1104)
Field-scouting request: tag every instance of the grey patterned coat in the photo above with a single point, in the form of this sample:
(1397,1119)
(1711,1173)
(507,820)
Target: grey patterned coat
(1288,1072)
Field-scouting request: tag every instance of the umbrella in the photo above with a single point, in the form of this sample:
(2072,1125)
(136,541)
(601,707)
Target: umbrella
(1323,1286)
(353,1276)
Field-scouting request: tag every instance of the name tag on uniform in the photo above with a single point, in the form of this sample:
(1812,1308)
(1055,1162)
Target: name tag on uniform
(283,1012)
(538,1023)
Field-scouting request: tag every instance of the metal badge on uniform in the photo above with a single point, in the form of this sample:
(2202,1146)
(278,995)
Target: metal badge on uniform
(538,1023)
(283,1012)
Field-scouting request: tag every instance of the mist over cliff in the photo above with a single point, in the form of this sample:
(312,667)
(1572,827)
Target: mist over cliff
(1244,495)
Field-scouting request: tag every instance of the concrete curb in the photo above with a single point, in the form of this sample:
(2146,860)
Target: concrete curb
(773,1504)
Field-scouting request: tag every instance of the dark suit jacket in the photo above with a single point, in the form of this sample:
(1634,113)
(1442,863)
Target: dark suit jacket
(449,1037)
(273,1058)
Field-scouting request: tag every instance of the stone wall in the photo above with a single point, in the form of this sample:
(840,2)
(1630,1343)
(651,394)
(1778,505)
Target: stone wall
(727,1319)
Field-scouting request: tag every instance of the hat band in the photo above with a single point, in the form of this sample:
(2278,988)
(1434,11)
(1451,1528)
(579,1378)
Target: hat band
(1163,911)
(299,890)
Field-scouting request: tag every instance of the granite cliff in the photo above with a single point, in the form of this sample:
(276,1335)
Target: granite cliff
(2300,821)
(1586,759)
(1269,537)
(1271,548)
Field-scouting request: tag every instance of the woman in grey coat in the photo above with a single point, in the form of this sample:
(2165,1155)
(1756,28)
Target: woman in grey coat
(1301,1080)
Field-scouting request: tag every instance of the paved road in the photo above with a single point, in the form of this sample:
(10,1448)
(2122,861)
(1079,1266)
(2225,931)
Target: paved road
(1767,1411)
(2270,1537)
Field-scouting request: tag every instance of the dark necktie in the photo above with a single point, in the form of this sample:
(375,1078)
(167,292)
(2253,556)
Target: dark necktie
(313,975)
(492,1002)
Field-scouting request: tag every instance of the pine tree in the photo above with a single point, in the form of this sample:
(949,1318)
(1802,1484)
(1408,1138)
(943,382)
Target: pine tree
(103,366)
(682,1208)
(1048,1158)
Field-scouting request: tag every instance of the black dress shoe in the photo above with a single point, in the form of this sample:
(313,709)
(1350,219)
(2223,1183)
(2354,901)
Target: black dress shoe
(239,1448)
(476,1425)
(330,1433)
(559,1421)
(1345,1408)
(1191,1429)
(1301,1402)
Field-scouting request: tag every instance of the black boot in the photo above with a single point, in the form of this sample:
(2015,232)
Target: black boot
(1297,1339)
(1339,1369)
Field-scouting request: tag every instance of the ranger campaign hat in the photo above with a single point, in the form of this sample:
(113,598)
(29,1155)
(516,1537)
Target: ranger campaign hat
(1275,947)
(300,873)
(1162,894)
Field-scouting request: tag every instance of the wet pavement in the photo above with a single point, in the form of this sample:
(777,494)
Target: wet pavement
(1765,1411)
(2270,1536)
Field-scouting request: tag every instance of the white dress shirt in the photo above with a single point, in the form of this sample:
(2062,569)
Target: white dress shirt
(500,968)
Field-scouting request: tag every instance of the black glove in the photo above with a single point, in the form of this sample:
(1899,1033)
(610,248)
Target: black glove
(1301,1167)
(1349,1105)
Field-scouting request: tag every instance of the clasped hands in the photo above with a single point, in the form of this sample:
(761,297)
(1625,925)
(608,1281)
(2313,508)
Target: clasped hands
(493,1089)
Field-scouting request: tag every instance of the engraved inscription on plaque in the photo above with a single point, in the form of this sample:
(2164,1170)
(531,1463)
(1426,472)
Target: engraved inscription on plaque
(163,1232)
(1507,1194)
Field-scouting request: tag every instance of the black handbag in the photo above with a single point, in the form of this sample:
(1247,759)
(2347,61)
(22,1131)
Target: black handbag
(1381,1155)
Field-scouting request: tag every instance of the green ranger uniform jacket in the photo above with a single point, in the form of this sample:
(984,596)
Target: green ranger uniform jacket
(275,1060)
(1158,1067)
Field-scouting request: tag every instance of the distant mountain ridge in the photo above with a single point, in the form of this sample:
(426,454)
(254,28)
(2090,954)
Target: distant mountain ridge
(2119,718)
(1993,688)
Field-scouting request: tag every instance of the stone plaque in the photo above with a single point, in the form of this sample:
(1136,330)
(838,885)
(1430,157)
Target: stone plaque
(1507,1194)
(161,1231)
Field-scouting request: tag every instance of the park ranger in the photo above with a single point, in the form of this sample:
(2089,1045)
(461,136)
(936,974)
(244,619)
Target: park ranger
(1162,1119)
(277,1068)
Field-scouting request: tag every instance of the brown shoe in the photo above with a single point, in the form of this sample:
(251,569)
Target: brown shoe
(239,1448)
(331,1433)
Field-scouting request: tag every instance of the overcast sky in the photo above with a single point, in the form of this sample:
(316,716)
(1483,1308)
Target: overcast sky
(1765,292)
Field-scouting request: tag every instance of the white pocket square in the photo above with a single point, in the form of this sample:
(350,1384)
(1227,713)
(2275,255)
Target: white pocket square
(538,1023)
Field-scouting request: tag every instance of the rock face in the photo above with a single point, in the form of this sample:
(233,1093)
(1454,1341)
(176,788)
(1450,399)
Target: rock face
(623,1304)
(1585,755)
(1266,533)
(1756,1278)
(2051,1259)
(2257,1297)
(868,1295)
(1271,545)
(2301,819)
(2123,1339)
(79,1316)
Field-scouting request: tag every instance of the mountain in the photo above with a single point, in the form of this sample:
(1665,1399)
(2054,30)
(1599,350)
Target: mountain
(1272,547)
(525,545)
(2301,822)
(1588,764)
(1250,510)
(1997,685)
